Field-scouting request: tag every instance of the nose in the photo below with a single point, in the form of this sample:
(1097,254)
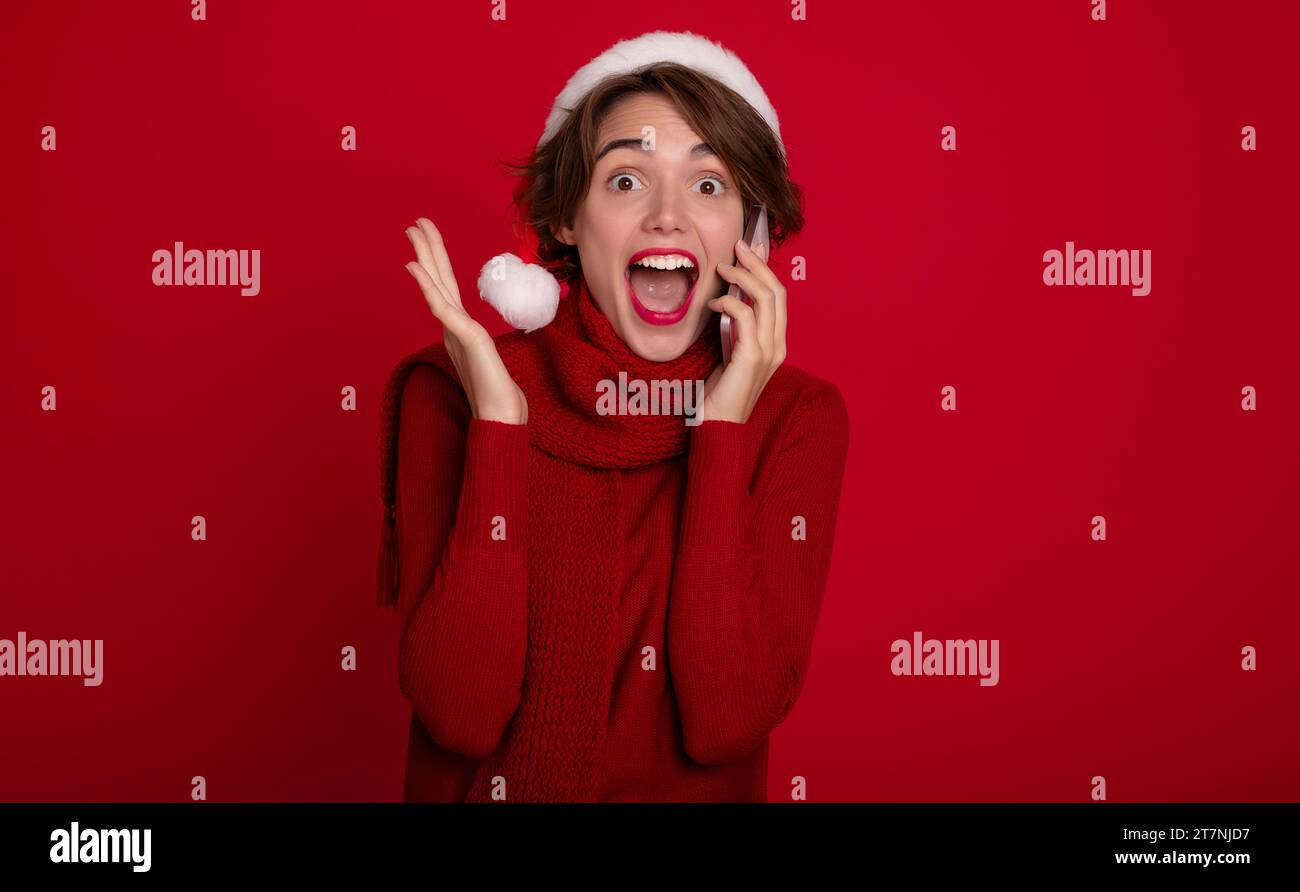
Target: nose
(667,212)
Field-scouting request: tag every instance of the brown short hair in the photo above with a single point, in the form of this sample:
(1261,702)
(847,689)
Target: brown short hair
(555,178)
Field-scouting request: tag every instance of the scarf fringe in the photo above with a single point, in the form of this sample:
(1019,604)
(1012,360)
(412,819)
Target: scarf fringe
(388,569)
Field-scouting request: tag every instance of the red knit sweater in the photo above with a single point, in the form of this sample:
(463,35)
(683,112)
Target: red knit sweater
(722,555)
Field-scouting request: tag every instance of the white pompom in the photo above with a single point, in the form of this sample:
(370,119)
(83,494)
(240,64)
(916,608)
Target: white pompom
(525,294)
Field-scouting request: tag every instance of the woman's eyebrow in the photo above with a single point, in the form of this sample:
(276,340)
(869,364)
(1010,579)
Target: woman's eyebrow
(634,142)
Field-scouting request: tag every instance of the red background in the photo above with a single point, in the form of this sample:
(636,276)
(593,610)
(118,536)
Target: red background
(1119,658)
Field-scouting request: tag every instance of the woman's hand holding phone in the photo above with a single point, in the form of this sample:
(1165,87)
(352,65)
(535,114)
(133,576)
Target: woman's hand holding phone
(733,388)
(493,394)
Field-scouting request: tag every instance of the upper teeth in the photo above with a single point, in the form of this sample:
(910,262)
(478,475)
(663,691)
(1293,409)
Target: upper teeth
(665,261)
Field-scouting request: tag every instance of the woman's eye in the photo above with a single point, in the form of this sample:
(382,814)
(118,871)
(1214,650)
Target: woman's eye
(630,182)
(714,190)
(618,179)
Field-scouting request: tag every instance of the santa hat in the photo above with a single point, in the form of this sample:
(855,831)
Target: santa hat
(527,294)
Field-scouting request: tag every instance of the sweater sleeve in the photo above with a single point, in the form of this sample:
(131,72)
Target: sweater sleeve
(462,597)
(750,574)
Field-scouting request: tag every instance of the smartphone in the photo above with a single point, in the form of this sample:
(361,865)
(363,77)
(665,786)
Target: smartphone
(756,238)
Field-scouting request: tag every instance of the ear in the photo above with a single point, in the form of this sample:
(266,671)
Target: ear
(565,235)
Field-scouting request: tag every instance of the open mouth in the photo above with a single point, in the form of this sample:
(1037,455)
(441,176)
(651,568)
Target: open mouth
(660,284)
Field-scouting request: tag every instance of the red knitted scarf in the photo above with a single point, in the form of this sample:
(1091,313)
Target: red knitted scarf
(551,749)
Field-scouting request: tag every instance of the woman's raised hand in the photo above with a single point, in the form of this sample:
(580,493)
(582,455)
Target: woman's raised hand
(493,394)
(731,391)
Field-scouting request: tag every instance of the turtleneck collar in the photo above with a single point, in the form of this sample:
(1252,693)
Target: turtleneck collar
(578,350)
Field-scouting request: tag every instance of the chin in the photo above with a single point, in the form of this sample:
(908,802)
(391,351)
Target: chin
(658,343)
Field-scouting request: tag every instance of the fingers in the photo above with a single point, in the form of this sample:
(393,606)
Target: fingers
(760,293)
(456,320)
(778,334)
(458,327)
(441,263)
(424,255)
(771,314)
(742,316)
(755,262)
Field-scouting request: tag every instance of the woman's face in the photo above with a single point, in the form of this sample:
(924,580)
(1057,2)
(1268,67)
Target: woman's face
(658,190)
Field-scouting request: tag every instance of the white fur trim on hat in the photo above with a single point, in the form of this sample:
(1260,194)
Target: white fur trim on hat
(684,47)
(525,294)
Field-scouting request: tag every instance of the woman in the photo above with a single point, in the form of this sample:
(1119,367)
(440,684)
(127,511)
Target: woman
(615,607)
